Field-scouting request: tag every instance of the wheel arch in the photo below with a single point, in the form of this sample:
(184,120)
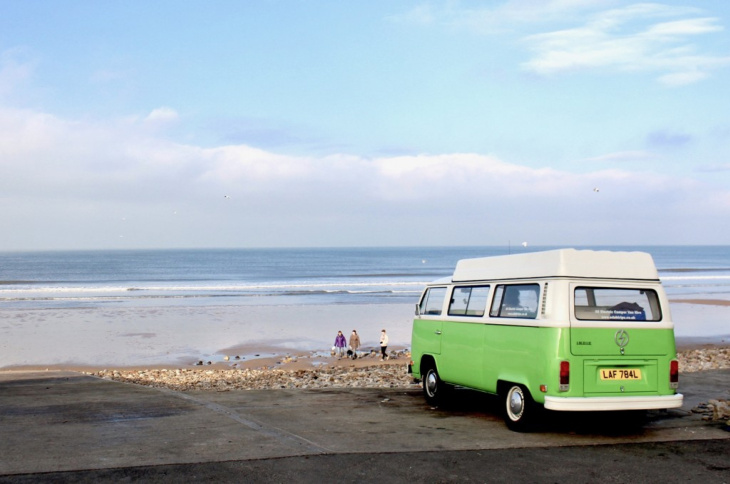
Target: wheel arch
(505,381)
(427,361)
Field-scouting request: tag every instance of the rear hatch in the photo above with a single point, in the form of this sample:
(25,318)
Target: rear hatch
(621,361)
(622,336)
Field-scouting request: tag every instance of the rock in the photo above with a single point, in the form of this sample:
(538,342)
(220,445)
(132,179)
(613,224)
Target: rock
(720,409)
(348,376)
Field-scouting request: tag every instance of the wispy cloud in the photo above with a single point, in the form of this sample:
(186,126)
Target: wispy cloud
(642,37)
(668,139)
(720,167)
(506,16)
(630,39)
(162,116)
(15,68)
(623,157)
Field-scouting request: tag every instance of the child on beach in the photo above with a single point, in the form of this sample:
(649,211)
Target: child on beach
(354,343)
(340,344)
(383,345)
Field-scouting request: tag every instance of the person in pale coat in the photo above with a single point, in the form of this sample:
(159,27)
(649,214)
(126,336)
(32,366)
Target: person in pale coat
(354,343)
(383,345)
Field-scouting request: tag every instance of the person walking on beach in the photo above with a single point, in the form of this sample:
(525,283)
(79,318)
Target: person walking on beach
(340,343)
(383,345)
(354,343)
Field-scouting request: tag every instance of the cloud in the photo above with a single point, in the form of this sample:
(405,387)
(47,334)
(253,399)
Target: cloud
(15,68)
(668,139)
(623,157)
(419,15)
(720,167)
(641,37)
(495,19)
(69,182)
(630,39)
(259,132)
(162,116)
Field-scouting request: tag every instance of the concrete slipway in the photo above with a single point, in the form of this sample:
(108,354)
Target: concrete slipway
(69,427)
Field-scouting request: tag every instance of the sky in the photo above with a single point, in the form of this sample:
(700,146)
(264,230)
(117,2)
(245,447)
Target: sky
(286,123)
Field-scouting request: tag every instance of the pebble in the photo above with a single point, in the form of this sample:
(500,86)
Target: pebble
(188,379)
(374,376)
(703,359)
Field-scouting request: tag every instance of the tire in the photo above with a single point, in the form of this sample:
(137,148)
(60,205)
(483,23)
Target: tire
(519,409)
(434,389)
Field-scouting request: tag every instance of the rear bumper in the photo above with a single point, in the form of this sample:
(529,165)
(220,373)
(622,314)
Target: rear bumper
(579,404)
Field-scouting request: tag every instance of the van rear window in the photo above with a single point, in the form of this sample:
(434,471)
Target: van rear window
(616,304)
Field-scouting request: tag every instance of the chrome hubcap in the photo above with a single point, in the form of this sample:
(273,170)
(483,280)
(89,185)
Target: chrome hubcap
(516,403)
(431,383)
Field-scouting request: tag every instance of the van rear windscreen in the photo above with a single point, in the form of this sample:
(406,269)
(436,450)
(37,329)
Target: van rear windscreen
(614,304)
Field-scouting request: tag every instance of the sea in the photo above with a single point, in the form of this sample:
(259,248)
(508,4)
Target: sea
(290,276)
(181,307)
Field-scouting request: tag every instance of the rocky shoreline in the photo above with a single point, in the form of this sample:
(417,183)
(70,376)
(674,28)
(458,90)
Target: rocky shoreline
(333,374)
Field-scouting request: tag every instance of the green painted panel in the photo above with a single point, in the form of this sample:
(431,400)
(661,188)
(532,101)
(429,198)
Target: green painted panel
(638,341)
(425,340)
(462,347)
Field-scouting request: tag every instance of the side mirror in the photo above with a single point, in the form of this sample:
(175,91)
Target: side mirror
(418,309)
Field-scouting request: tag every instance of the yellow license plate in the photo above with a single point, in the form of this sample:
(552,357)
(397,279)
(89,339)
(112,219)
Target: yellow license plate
(620,374)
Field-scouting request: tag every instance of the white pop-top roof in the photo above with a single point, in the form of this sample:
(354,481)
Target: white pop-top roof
(558,263)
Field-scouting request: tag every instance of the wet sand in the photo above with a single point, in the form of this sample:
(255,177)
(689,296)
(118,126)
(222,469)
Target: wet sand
(707,302)
(224,337)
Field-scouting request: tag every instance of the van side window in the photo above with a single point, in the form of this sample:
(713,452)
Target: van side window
(616,304)
(515,301)
(469,301)
(433,301)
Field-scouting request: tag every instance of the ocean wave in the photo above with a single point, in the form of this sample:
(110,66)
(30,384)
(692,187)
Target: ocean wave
(695,269)
(334,286)
(10,291)
(201,295)
(725,277)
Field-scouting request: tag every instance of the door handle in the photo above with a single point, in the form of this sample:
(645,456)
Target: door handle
(438,331)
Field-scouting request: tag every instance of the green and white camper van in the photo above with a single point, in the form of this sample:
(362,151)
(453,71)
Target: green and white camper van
(566,329)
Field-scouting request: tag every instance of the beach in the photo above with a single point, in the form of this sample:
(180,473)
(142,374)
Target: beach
(245,336)
(200,311)
(227,348)
(99,338)
(365,372)
(182,336)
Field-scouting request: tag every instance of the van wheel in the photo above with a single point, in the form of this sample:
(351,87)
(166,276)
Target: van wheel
(434,389)
(519,409)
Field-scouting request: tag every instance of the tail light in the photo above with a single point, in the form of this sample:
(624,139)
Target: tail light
(674,374)
(564,376)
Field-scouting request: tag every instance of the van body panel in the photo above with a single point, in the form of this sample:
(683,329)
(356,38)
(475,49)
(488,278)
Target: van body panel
(427,335)
(608,341)
(532,349)
(462,348)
